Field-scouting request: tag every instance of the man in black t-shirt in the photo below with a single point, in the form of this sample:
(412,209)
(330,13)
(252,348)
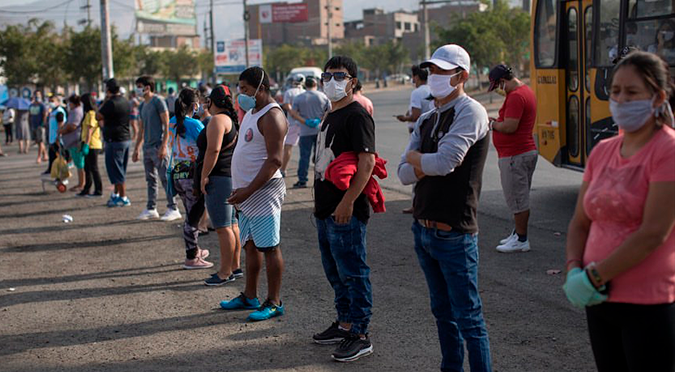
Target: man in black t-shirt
(114,119)
(341,216)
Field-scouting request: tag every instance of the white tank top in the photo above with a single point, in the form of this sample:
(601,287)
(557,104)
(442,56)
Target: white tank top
(250,152)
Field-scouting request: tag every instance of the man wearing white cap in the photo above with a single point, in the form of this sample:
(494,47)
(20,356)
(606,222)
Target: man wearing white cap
(445,160)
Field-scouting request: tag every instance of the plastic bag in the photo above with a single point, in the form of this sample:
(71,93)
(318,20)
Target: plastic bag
(60,169)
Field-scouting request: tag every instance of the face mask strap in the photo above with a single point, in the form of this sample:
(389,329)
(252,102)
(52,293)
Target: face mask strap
(259,84)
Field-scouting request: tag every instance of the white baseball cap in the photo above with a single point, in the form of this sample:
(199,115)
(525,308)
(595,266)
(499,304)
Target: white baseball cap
(449,57)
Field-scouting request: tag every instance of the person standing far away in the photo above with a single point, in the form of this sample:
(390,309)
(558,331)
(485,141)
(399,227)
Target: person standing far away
(71,135)
(363,100)
(8,118)
(91,146)
(113,117)
(153,136)
(134,103)
(259,191)
(57,118)
(294,126)
(308,110)
(621,240)
(513,139)
(420,103)
(38,119)
(170,102)
(445,159)
(342,216)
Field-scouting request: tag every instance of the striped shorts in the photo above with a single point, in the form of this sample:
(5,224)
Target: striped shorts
(260,215)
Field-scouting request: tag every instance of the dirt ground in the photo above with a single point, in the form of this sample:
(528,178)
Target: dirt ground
(106,293)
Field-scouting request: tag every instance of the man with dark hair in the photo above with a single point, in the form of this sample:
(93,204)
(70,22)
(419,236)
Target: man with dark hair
(171,102)
(153,135)
(38,118)
(259,191)
(308,109)
(512,135)
(342,216)
(113,117)
(420,101)
(445,160)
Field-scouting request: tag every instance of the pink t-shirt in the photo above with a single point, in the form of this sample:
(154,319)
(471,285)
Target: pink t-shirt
(365,102)
(615,202)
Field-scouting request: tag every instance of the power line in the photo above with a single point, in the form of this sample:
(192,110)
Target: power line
(37,11)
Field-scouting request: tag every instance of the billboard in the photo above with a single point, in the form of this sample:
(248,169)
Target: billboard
(230,56)
(276,13)
(166,17)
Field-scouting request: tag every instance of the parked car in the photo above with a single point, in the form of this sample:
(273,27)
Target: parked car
(401,78)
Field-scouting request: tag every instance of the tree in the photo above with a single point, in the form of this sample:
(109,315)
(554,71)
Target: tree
(179,63)
(83,56)
(20,48)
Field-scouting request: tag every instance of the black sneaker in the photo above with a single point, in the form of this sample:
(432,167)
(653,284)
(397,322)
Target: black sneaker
(300,185)
(352,348)
(95,195)
(238,273)
(215,280)
(332,335)
(82,194)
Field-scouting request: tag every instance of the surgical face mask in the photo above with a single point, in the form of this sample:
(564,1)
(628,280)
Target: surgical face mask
(247,102)
(440,85)
(632,115)
(139,91)
(335,90)
(668,35)
(200,110)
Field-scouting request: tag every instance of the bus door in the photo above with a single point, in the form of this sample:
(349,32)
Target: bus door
(577,80)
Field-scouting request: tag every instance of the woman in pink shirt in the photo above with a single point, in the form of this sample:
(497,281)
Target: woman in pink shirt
(621,240)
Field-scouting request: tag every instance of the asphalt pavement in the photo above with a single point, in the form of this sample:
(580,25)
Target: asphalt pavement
(106,292)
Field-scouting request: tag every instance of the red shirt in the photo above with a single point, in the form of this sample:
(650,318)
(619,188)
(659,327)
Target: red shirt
(519,104)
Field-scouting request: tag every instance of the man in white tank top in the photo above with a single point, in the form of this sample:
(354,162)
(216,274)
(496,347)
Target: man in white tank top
(259,192)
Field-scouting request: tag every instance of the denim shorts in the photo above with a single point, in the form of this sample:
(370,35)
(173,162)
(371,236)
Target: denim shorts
(116,161)
(221,213)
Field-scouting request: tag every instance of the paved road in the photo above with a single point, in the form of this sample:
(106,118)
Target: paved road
(105,292)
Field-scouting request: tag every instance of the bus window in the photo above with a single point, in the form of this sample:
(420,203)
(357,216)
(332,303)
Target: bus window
(588,27)
(607,41)
(649,8)
(655,36)
(545,35)
(572,70)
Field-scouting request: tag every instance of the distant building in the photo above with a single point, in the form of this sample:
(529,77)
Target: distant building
(312,32)
(174,41)
(378,27)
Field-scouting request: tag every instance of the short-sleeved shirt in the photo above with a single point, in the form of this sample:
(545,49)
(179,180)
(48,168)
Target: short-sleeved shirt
(349,129)
(289,97)
(615,202)
(419,99)
(365,102)
(151,115)
(54,116)
(116,113)
(311,104)
(519,104)
(185,148)
(36,111)
(75,117)
(90,122)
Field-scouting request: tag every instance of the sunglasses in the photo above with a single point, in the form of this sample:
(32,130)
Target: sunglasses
(338,76)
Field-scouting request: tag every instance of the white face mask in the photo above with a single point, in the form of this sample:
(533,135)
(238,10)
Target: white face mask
(440,85)
(667,35)
(335,90)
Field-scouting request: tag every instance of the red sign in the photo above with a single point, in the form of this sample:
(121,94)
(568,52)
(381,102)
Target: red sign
(277,13)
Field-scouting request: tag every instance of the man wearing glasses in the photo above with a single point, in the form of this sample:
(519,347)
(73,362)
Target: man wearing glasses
(341,216)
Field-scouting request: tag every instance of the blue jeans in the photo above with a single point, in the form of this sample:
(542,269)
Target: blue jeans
(450,263)
(343,254)
(306,145)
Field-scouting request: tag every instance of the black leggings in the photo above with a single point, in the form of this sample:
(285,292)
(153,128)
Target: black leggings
(8,133)
(92,173)
(632,338)
(52,150)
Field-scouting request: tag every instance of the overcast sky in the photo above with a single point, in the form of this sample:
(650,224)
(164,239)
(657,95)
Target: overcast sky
(227,13)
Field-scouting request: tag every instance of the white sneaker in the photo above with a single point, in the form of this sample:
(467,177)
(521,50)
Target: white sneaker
(508,238)
(171,215)
(148,214)
(514,245)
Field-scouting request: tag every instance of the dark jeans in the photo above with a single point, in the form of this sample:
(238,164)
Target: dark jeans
(92,175)
(8,133)
(631,337)
(450,264)
(52,150)
(306,146)
(343,254)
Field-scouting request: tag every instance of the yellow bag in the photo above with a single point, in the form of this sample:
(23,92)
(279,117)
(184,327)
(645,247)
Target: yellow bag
(60,169)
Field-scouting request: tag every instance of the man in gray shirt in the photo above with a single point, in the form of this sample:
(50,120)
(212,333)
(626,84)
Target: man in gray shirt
(153,135)
(308,109)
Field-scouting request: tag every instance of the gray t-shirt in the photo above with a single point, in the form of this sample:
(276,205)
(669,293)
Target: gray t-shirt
(153,130)
(311,105)
(75,117)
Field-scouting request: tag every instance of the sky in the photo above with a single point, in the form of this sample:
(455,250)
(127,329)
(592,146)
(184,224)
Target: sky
(227,13)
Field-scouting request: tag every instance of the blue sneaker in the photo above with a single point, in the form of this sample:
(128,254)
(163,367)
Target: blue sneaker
(240,303)
(266,311)
(123,202)
(112,202)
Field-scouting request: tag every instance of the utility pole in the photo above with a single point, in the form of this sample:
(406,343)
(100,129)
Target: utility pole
(247,16)
(106,42)
(213,43)
(329,7)
(425,15)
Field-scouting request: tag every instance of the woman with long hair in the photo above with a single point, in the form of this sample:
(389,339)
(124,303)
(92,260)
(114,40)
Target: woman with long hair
(621,240)
(216,145)
(91,146)
(183,143)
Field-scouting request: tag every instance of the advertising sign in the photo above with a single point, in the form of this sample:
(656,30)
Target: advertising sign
(166,17)
(232,58)
(276,13)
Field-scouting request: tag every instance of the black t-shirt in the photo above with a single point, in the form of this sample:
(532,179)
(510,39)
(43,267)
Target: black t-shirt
(116,113)
(223,166)
(349,129)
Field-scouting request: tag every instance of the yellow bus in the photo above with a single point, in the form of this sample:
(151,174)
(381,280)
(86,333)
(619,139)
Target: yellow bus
(574,48)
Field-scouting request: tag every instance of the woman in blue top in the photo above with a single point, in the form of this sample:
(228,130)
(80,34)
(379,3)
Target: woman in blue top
(184,131)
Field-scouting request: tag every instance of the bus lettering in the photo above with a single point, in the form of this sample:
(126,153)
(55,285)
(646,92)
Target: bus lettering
(546,79)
